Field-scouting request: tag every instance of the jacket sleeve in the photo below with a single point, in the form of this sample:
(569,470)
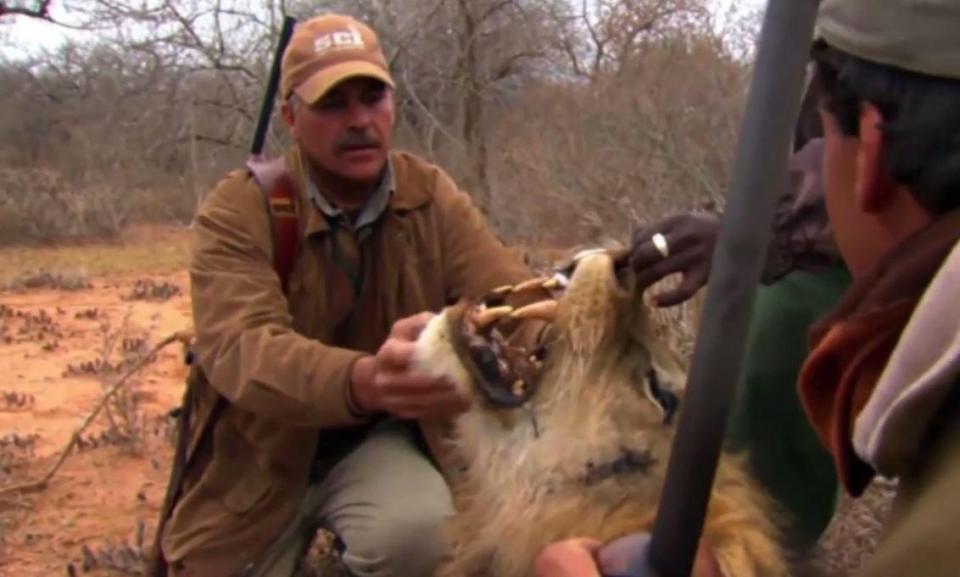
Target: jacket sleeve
(245,343)
(802,235)
(475,261)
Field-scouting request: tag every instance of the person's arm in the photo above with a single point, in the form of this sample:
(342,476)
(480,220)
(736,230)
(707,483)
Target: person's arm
(802,235)
(245,341)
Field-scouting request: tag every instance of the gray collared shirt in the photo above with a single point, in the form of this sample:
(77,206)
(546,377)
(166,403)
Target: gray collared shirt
(371,211)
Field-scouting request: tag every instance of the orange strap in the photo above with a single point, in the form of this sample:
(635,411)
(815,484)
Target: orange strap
(279,193)
(285,228)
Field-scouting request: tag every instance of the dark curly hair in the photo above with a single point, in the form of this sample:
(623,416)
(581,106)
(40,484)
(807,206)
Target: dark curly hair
(921,120)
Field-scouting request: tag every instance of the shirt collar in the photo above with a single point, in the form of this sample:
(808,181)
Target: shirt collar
(375,206)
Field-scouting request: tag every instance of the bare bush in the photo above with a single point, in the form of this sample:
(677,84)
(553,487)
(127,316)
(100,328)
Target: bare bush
(607,155)
(124,557)
(38,204)
(152,290)
(15,451)
(594,114)
(20,326)
(75,280)
(16,401)
(127,424)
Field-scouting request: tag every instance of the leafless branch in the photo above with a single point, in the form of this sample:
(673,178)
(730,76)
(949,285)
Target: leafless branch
(40,9)
(42,483)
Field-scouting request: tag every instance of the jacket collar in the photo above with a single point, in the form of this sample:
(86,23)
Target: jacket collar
(923,369)
(851,346)
(402,196)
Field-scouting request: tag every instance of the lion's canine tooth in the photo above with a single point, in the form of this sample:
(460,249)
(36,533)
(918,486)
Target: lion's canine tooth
(532,284)
(489,316)
(552,284)
(543,310)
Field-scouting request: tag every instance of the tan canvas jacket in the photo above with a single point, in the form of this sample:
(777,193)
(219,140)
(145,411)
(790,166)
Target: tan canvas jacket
(284,366)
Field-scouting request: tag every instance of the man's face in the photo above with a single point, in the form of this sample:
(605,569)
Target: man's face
(349,131)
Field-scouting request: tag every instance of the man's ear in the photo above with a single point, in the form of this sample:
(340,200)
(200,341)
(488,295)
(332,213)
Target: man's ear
(874,187)
(286,111)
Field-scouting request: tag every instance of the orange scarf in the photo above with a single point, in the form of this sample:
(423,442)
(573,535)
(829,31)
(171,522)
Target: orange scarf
(851,345)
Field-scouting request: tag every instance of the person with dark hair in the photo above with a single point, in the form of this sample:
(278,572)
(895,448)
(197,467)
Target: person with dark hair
(880,382)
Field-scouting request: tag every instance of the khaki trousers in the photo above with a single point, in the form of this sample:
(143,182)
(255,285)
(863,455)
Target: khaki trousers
(385,502)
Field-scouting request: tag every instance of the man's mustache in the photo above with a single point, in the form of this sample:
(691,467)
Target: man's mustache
(357,139)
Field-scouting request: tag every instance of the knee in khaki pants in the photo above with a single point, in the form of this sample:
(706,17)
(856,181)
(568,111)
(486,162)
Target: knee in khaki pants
(385,502)
(399,543)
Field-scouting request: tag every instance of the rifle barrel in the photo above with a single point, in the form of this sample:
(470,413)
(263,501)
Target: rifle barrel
(266,107)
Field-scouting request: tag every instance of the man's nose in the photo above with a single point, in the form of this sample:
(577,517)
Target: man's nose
(358,114)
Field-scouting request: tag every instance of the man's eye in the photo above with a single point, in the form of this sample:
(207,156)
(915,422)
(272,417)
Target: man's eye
(372,97)
(330,104)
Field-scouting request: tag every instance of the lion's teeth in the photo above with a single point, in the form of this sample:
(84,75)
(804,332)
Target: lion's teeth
(552,284)
(532,284)
(491,315)
(543,310)
(518,387)
(502,290)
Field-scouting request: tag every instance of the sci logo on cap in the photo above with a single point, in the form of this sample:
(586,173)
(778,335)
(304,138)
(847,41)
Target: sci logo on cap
(340,40)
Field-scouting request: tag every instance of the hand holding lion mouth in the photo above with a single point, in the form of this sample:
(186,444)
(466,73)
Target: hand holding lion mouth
(385,382)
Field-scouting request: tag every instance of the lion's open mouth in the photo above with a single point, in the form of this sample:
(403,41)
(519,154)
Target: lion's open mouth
(509,372)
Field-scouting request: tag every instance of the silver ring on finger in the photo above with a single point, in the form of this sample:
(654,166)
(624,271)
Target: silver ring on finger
(660,242)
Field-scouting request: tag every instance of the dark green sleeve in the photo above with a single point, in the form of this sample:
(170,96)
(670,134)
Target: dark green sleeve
(767,418)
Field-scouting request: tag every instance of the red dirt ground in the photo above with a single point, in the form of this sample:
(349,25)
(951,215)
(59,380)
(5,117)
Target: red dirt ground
(100,493)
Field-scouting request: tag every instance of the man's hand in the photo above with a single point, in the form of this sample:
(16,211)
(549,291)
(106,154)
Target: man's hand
(570,558)
(690,241)
(384,382)
(582,557)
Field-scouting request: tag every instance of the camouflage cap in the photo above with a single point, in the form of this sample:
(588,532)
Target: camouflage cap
(920,36)
(326,50)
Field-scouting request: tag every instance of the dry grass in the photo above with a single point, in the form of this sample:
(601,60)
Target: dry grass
(856,528)
(141,250)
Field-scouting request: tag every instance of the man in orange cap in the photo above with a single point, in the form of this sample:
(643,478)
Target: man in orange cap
(305,412)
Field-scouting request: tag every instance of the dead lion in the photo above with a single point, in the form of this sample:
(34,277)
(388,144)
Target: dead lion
(573,438)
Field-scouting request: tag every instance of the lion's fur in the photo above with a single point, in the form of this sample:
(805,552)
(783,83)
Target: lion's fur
(522,483)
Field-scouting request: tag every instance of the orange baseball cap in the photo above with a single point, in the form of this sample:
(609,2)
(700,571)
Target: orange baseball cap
(326,50)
